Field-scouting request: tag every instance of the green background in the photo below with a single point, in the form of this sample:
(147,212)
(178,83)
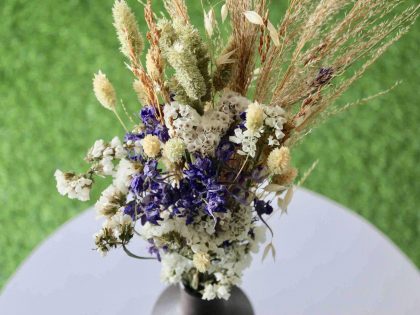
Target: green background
(49,118)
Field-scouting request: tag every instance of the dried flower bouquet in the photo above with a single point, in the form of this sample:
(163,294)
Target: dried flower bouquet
(217,124)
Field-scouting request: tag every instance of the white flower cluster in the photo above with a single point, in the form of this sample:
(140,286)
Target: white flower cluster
(173,267)
(114,231)
(113,198)
(199,133)
(123,175)
(275,119)
(205,251)
(117,223)
(248,139)
(104,153)
(203,133)
(72,185)
(233,104)
(272,117)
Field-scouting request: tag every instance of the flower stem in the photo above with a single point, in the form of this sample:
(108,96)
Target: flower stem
(120,120)
(135,256)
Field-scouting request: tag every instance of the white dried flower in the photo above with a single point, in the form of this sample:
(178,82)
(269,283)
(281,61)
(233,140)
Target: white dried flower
(107,167)
(223,292)
(102,250)
(118,221)
(275,118)
(248,139)
(272,142)
(174,150)
(201,261)
(210,292)
(111,200)
(118,148)
(278,160)
(104,91)
(124,175)
(254,116)
(173,267)
(151,146)
(115,142)
(127,30)
(199,133)
(233,104)
(72,185)
(97,150)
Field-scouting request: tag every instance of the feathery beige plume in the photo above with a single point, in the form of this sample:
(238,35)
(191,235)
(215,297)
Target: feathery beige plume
(139,88)
(245,40)
(154,64)
(177,8)
(184,50)
(225,64)
(225,58)
(127,30)
(104,91)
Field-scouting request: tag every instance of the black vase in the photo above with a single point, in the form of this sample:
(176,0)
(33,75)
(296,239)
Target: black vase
(176,300)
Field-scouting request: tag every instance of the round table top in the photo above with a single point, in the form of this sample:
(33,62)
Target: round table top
(329,261)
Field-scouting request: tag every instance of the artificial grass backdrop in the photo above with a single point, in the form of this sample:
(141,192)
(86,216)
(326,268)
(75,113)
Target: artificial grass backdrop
(49,118)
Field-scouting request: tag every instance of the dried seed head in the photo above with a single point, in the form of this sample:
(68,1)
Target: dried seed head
(286,178)
(174,150)
(127,30)
(279,160)
(104,91)
(254,116)
(153,64)
(140,89)
(201,261)
(151,146)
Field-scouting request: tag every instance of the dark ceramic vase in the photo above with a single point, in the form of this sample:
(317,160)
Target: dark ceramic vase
(179,301)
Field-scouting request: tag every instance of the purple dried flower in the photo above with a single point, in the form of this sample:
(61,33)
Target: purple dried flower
(324,76)
(152,125)
(262,207)
(225,150)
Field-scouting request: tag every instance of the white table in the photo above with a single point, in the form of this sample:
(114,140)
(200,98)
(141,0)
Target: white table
(329,261)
